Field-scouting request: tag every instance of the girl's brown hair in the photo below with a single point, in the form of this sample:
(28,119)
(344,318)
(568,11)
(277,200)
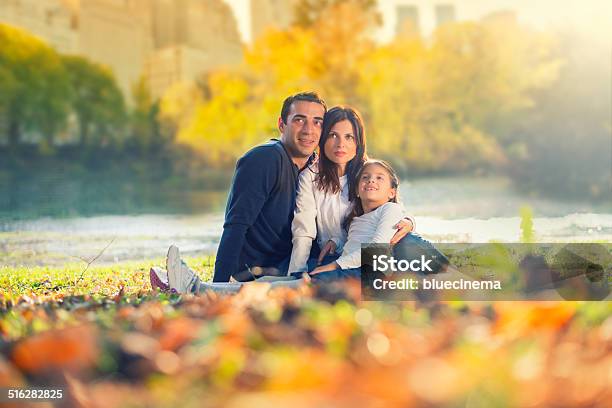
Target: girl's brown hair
(357,209)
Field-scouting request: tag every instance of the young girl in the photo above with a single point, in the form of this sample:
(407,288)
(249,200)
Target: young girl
(371,220)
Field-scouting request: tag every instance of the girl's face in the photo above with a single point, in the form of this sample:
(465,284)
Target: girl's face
(340,146)
(375,185)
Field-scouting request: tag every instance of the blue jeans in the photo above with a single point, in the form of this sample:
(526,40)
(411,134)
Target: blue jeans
(329,275)
(327,259)
(336,275)
(412,246)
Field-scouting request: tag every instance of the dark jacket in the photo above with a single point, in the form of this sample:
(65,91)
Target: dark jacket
(259,212)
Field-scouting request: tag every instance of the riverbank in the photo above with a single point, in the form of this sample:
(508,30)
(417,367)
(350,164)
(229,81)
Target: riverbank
(71,183)
(55,242)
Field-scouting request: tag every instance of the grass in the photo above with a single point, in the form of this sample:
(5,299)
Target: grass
(76,279)
(62,290)
(109,340)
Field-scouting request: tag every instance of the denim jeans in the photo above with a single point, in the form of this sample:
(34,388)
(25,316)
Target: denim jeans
(327,259)
(412,246)
(336,275)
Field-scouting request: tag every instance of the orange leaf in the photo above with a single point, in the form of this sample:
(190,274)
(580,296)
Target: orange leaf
(73,348)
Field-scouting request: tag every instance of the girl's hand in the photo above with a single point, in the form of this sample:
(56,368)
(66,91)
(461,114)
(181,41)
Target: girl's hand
(328,248)
(325,268)
(404,227)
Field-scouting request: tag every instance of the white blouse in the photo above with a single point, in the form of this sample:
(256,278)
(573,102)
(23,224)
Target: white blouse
(374,227)
(317,215)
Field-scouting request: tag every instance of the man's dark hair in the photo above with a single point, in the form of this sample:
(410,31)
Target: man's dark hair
(302,96)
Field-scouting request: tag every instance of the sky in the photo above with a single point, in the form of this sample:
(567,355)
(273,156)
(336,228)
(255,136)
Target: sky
(592,16)
(242,13)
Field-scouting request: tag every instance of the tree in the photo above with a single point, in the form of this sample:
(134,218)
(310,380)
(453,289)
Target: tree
(306,13)
(96,100)
(563,141)
(8,84)
(440,105)
(229,120)
(146,131)
(447,106)
(34,86)
(343,35)
(487,72)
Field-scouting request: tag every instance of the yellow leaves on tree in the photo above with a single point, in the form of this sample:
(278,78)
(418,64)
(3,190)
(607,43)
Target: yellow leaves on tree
(284,62)
(343,38)
(444,106)
(441,104)
(222,125)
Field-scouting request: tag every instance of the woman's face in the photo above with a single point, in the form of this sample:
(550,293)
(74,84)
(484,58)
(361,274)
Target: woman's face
(375,185)
(340,146)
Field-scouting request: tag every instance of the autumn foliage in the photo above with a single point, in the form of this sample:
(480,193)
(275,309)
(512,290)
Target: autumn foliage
(305,347)
(429,104)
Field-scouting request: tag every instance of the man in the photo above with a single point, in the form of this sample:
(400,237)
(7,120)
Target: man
(256,237)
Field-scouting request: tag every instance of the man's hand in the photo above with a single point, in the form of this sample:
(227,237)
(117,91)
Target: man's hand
(325,268)
(328,248)
(404,227)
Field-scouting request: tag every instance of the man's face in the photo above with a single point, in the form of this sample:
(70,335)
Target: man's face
(302,132)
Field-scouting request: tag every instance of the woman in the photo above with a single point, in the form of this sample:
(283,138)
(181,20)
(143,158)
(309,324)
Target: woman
(325,193)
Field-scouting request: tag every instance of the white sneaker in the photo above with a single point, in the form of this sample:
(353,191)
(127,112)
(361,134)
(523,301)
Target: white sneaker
(180,277)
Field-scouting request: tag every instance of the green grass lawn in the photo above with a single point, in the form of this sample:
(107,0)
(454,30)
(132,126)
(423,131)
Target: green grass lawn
(62,290)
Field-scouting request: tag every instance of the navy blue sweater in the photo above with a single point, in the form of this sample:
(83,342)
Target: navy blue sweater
(259,212)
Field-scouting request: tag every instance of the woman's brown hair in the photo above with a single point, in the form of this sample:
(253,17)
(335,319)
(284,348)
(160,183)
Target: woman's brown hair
(327,179)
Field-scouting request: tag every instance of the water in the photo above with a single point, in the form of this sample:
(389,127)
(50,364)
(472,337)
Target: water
(447,210)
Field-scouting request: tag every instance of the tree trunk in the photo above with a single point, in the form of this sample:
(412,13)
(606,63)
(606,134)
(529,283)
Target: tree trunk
(14,134)
(83,128)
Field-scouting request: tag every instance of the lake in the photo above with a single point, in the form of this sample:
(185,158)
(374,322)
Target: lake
(447,210)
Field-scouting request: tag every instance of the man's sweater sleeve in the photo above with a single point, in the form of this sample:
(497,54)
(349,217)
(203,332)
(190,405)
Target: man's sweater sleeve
(255,178)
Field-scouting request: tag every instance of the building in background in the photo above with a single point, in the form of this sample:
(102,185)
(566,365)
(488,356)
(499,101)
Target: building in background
(407,19)
(419,16)
(174,64)
(116,33)
(270,14)
(164,40)
(52,20)
(424,16)
(190,37)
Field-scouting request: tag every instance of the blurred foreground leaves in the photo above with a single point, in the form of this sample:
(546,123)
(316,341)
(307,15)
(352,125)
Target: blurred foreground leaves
(124,345)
